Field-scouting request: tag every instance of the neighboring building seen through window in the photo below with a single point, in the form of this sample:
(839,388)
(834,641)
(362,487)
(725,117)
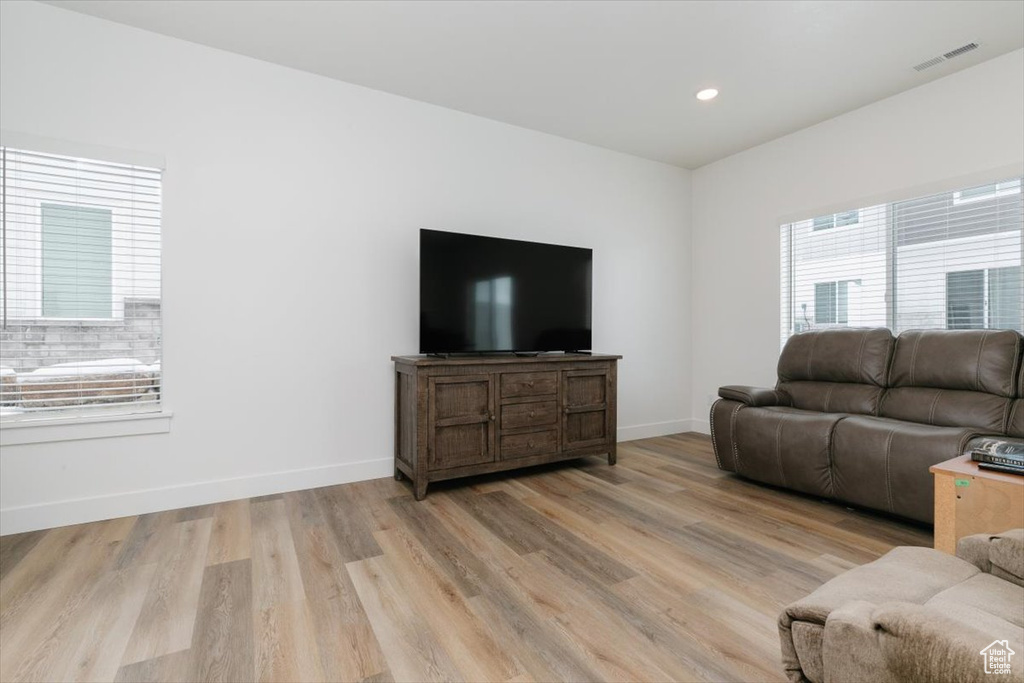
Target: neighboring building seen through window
(832,302)
(77,252)
(951,260)
(990,191)
(837,220)
(984,299)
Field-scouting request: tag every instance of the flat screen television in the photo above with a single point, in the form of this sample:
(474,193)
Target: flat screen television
(488,295)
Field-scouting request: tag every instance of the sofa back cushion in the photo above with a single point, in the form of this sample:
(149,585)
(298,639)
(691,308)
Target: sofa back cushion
(836,370)
(954,378)
(853,355)
(969,360)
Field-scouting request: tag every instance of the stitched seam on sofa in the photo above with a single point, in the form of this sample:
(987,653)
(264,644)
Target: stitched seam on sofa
(881,399)
(860,355)
(977,366)
(828,396)
(1011,415)
(913,358)
(964,438)
(828,456)
(810,354)
(1018,362)
(890,358)
(931,412)
(714,440)
(1016,367)
(778,448)
(732,434)
(888,480)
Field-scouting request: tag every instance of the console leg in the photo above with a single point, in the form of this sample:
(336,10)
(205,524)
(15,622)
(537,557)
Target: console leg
(420,489)
(398,474)
(612,457)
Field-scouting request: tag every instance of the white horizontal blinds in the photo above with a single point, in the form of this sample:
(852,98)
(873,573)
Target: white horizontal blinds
(958,259)
(947,261)
(80,297)
(835,274)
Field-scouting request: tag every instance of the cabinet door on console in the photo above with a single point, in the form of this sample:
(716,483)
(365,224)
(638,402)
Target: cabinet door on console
(461,421)
(585,412)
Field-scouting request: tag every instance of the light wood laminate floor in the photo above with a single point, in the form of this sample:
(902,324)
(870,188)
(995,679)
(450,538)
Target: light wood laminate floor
(660,568)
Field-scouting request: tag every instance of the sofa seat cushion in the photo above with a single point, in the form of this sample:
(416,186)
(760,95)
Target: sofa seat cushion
(786,447)
(984,602)
(883,464)
(906,574)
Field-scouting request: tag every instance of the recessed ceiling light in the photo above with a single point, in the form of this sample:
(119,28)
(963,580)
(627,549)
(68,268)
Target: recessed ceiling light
(707,94)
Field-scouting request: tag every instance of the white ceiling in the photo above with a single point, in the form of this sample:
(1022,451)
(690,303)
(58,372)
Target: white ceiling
(618,74)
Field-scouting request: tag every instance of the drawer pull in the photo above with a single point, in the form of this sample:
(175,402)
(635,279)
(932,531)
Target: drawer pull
(492,416)
(531,413)
(530,384)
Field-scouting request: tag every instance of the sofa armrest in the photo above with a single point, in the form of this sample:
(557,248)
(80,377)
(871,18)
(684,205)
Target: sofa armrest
(753,396)
(896,641)
(1001,555)
(850,649)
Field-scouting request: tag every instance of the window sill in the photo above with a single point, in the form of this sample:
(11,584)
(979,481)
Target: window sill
(79,428)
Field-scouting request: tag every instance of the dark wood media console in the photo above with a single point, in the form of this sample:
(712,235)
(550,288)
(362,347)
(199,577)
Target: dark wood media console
(456,417)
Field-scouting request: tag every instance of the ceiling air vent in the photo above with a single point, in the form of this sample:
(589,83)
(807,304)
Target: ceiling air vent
(935,61)
(960,50)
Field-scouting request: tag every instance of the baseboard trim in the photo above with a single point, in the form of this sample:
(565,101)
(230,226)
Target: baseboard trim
(78,511)
(702,426)
(646,431)
(15,520)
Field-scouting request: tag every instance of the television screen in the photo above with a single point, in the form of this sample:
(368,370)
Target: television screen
(483,294)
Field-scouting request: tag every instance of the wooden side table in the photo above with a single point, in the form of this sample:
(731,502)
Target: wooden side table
(970,500)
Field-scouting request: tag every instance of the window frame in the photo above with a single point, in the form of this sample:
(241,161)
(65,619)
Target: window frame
(841,301)
(1000,189)
(987,298)
(840,219)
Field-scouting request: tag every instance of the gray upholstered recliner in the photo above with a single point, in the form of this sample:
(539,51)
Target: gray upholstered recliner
(916,614)
(859,416)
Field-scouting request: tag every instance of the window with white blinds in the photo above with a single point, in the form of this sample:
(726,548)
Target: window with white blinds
(947,261)
(79,286)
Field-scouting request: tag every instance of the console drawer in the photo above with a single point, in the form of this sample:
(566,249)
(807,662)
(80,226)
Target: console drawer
(531,443)
(516,384)
(535,414)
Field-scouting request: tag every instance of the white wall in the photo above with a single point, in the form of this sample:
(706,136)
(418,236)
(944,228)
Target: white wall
(966,125)
(288,196)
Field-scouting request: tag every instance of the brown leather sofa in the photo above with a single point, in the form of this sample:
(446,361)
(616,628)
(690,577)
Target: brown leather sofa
(859,416)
